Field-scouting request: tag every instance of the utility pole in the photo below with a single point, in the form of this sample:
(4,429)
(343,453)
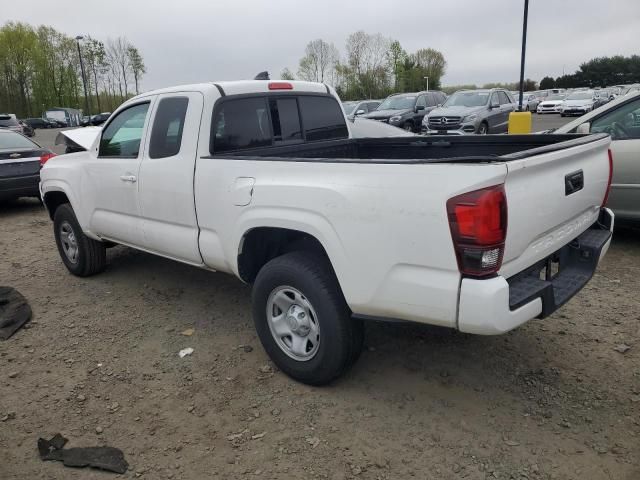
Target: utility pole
(524,48)
(84,77)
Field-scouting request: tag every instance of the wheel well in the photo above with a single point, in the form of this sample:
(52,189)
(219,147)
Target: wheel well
(53,200)
(262,244)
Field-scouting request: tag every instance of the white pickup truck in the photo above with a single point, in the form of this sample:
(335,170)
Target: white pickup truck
(260,179)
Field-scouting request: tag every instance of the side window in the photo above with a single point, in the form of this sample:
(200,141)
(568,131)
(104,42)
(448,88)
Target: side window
(622,123)
(166,134)
(495,99)
(121,138)
(504,98)
(371,106)
(241,123)
(285,120)
(431,100)
(322,118)
(422,101)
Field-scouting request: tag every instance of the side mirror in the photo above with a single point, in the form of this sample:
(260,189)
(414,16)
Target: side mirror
(439,105)
(584,128)
(419,107)
(360,112)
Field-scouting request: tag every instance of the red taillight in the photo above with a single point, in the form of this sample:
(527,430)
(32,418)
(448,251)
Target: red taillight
(280,86)
(606,194)
(44,158)
(478,222)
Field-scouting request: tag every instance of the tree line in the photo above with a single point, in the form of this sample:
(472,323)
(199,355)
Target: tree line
(599,72)
(40,68)
(373,66)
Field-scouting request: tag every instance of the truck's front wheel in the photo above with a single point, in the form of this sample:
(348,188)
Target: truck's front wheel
(81,255)
(303,320)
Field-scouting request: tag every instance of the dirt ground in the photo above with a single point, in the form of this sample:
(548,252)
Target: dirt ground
(99,363)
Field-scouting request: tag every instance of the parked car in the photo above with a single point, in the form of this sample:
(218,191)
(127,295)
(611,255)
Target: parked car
(578,103)
(406,110)
(285,195)
(20,163)
(27,131)
(359,108)
(529,101)
(100,118)
(620,119)
(8,121)
(551,104)
(630,89)
(471,111)
(85,121)
(56,123)
(38,123)
(601,97)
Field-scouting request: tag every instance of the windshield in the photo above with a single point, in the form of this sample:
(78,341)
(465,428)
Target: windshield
(349,107)
(467,99)
(11,140)
(398,103)
(580,96)
(552,98)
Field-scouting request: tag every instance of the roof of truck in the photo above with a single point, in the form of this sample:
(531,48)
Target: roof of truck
(243,86)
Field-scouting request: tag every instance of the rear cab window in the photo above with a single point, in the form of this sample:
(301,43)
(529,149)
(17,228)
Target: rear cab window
(168,124)
(274,120)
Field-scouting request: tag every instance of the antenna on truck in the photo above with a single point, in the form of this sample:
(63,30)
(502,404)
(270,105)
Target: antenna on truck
(262,76)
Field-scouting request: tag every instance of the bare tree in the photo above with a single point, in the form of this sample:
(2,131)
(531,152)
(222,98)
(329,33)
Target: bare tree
(319,61)
(287,74)
(117,52)
(136,64)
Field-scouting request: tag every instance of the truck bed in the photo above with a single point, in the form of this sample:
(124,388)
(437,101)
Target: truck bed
(432,149)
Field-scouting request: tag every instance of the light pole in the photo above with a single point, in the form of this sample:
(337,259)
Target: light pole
(427,79)
(84,77)
(524,48)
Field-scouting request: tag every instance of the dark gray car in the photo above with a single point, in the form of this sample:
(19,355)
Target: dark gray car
(406,110)
(471,111)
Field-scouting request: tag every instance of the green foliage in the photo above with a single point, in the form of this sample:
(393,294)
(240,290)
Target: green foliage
(603,72)
(547,83)
(40,69)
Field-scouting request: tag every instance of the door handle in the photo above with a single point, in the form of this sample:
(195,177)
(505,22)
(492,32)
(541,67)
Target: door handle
(128,178)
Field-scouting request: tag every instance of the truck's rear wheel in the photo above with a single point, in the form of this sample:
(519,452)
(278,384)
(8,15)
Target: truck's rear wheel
(303,320)
(81,255)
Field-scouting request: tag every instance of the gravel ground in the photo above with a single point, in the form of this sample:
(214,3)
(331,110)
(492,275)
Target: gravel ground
(554,399)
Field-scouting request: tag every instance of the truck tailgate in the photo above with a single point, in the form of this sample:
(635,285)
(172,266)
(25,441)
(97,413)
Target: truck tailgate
(553,196)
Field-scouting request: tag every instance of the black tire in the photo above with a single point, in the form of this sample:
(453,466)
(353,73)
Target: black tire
(408,127)
(341,337)
(483,129)
(91,255)
(562,115)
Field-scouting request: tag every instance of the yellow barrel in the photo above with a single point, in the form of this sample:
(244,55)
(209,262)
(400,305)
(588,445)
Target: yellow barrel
(519,122)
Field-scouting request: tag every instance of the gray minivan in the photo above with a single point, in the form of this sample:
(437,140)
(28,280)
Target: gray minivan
(471,111)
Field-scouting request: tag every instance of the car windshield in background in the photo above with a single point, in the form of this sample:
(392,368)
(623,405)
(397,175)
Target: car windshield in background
(349,107)
(398,103)
(580,96)
(12,140)
(467,99)
(552,98)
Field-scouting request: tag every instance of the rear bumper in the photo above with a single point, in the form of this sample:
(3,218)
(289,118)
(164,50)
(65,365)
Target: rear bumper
(24,186)
(497,305)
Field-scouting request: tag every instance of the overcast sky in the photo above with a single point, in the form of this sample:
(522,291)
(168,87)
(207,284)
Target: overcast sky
(189,41)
